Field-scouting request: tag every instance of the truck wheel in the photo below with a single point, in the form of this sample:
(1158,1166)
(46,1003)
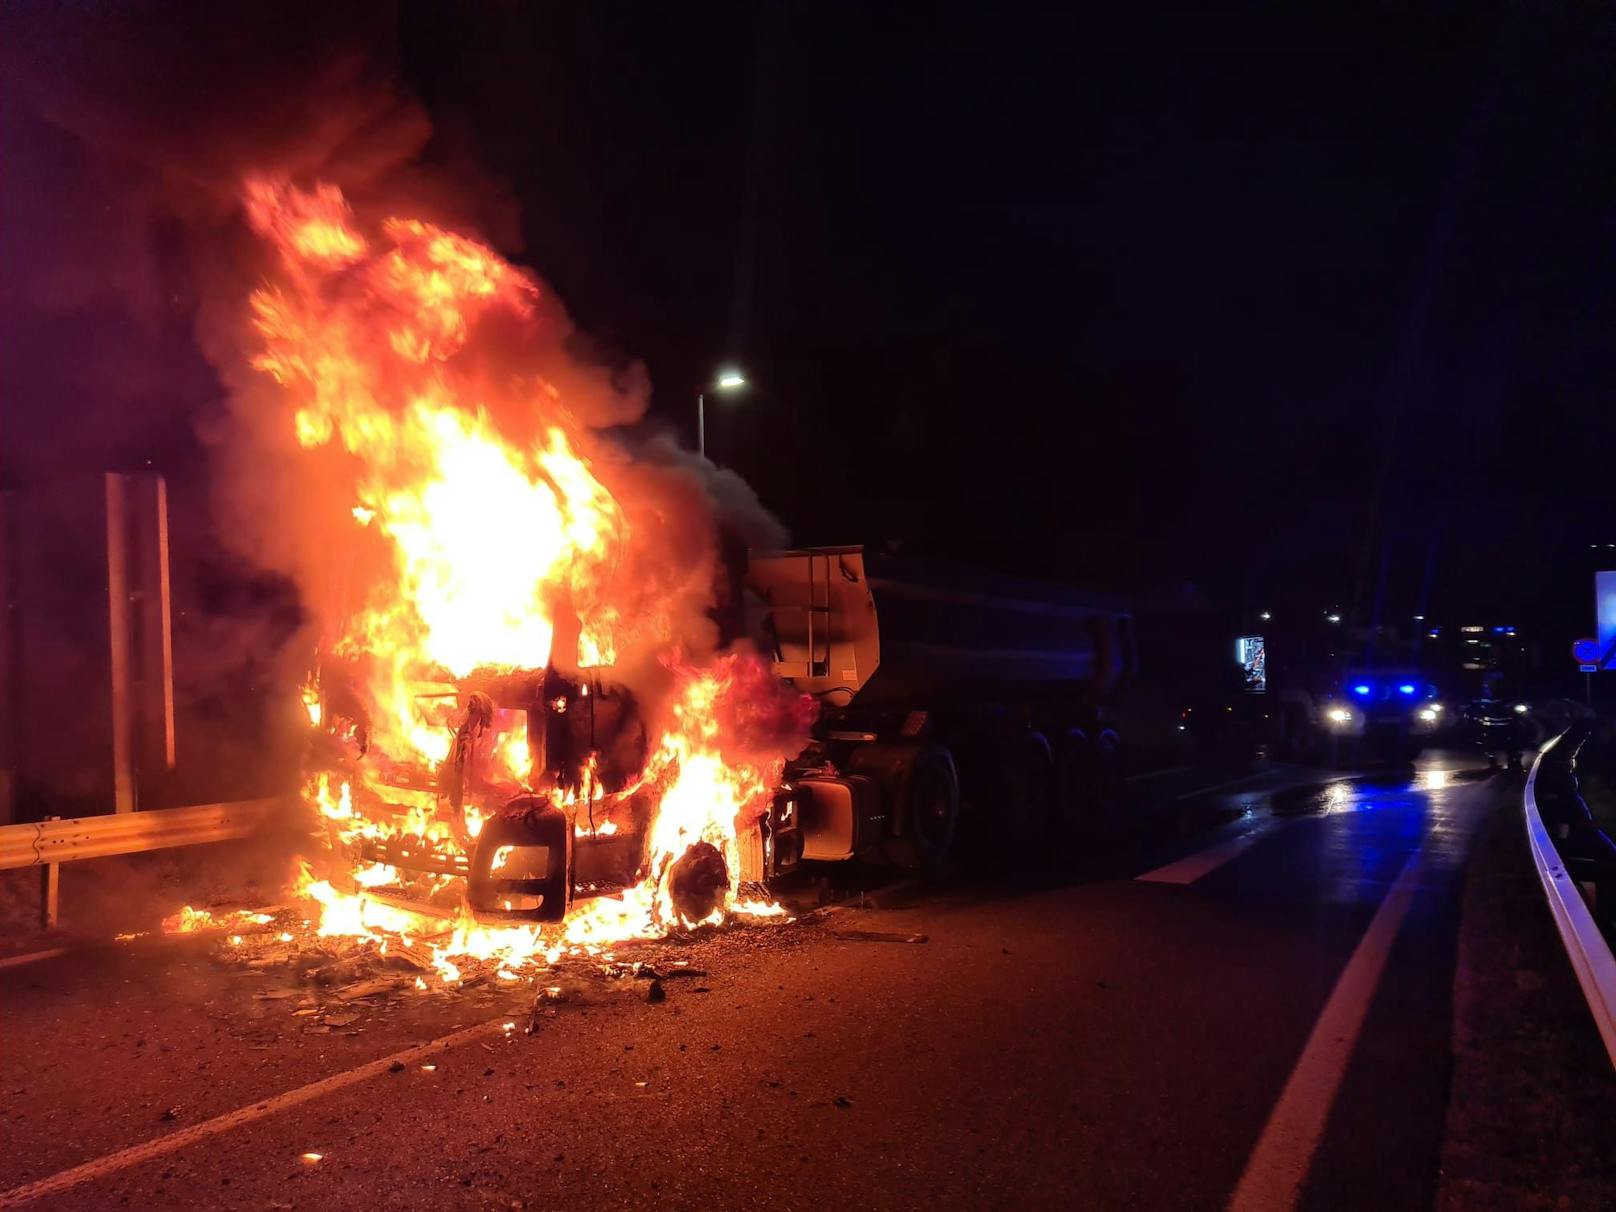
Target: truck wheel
(1105,795)
(1075,782)
(1091,785)
(931,812)
(1030,792)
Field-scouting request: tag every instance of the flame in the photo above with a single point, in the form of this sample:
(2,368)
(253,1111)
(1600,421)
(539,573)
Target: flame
(471,534)
(189,920)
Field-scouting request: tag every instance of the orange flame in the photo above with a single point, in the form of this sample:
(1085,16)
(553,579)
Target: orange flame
(472,540)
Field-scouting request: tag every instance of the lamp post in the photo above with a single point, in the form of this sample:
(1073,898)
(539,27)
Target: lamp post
(726,380)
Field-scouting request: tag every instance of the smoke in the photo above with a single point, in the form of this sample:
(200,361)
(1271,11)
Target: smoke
(392,356)
(159,116)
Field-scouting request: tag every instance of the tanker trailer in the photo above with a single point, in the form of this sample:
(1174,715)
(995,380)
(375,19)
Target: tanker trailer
(950,702)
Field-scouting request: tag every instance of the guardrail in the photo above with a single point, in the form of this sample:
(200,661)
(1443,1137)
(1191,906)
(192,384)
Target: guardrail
(49,843)
(1590,954)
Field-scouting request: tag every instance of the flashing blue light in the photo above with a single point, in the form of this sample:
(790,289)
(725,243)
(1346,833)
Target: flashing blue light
(1407,688)
(1361,688)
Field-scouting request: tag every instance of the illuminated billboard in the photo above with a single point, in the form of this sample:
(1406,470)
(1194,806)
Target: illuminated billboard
(1252,654)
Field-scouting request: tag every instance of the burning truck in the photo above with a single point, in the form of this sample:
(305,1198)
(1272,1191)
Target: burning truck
(554,701)
(914,673)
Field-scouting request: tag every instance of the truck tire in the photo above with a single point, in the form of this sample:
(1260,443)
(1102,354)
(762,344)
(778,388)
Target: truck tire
(1091,785)
(1107,787)
(931,812)
(1032,802)
(1075,780)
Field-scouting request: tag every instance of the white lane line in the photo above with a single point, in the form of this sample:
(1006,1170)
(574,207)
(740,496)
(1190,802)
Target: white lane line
(1278,1165)
(135,1154)
(1156,774)
(14,961)
(1192,867)
(1244,778)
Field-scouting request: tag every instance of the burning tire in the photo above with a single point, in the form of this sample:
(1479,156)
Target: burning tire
(697,882)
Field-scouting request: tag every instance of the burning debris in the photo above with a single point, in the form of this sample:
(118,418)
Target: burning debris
(526,739)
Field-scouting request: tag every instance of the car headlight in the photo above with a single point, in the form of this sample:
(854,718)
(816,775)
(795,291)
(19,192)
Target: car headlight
(1428,714)
(1521,709)
(1339,715)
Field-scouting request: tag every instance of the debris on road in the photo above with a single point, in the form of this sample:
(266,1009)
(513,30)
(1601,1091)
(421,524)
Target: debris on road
(370,988)
(878,936)
(656,993)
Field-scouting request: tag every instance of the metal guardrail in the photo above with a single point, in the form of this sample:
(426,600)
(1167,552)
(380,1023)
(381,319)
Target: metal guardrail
(1590,954)
(40,843)
(49,843)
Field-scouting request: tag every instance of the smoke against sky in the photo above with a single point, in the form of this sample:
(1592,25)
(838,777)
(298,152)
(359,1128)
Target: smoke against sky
(134,137)
(1156,274)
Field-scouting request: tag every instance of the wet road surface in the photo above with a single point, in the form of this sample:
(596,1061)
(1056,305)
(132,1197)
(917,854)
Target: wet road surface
(1255,1016)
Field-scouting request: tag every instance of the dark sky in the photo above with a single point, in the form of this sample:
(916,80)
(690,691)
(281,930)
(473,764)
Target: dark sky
(1310,304)
(1266,296)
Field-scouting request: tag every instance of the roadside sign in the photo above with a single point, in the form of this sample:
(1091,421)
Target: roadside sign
(1588,668)
(1586,652)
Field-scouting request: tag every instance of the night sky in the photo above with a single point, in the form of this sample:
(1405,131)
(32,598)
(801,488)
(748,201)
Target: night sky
(1307,305)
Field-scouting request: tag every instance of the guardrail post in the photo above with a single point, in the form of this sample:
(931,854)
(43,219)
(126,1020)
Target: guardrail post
(50,887)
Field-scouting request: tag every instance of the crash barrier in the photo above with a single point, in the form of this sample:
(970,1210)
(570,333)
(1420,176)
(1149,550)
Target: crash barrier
(49,843)
(1551,790)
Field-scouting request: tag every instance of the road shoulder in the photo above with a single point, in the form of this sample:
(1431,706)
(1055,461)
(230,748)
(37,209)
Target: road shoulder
(1528,1122)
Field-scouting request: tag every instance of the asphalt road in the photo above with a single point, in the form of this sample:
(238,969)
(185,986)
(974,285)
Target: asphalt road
(1255,1015)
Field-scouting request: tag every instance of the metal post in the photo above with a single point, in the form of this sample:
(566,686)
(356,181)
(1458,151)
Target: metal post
(50,886)
(50,883)
(701,423)
(9,689)
(151,629)
(123,739)
(142,647)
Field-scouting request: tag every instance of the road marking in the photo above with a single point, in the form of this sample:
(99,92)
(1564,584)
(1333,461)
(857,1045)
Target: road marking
(136,1154)
(1244,778)
(1278,1165)
(1156,774)
(13,961)
(1192,867)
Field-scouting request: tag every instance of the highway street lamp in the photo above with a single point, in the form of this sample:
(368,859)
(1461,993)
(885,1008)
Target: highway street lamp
(727,380)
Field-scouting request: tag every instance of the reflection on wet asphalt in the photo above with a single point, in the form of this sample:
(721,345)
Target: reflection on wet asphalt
(1292,885)
(1336,839)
